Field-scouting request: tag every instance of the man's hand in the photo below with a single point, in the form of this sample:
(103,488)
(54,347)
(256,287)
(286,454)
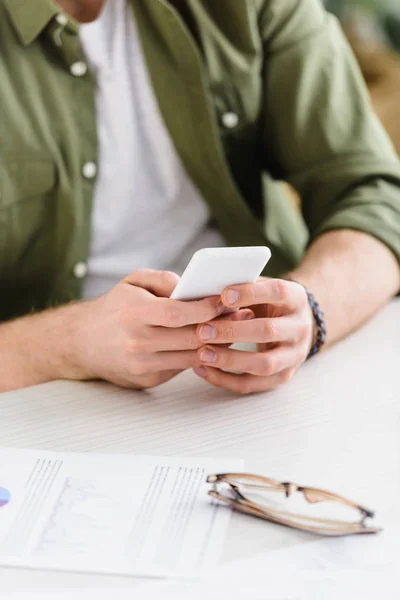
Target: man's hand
(283,330)
(135,336)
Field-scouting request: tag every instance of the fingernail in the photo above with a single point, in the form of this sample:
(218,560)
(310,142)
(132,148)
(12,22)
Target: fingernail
(232,296)
(249,317)
(200,371)
(208,356)
(207,333)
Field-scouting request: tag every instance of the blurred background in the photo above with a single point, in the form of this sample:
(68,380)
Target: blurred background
(373,30)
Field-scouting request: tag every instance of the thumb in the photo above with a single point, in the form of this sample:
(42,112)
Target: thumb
(158,283)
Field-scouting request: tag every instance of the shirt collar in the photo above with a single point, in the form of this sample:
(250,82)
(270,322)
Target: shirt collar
(30,18)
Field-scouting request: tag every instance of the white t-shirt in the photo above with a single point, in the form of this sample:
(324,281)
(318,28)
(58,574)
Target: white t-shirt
(147,213)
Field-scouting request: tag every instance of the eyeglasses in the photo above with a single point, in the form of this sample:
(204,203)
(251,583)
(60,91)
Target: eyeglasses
(315,510)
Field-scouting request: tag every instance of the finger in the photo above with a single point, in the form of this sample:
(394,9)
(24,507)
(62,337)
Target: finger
(243,384)
(280,329)
(265,291)
(164,361)
(165,312)
(158,283)
(163,339)
(242,314)
(263,364)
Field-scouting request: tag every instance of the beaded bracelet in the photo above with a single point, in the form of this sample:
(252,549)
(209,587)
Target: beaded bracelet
(319,319)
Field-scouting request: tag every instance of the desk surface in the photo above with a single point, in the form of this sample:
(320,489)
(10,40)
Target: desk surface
(336,425)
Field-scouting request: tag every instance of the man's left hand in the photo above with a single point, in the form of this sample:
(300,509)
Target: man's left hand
(283,329)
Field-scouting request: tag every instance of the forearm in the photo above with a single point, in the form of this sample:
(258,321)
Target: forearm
(352,275)
(38,348)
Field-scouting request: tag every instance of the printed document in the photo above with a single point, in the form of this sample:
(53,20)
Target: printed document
(114,514)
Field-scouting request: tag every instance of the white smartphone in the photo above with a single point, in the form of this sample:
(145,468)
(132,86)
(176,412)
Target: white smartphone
(211,270)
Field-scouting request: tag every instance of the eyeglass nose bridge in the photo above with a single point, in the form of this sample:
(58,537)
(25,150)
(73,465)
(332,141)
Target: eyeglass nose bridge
(290,488)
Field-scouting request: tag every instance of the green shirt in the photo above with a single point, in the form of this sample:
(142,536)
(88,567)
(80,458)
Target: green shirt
(283,67)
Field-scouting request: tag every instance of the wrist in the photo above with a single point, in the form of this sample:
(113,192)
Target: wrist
(44,347)
(70,327)
(318,333)
(52,340)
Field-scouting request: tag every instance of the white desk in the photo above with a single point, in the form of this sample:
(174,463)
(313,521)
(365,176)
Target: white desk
(336,425)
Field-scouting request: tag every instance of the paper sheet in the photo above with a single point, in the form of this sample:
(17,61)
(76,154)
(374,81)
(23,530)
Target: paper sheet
(114,514)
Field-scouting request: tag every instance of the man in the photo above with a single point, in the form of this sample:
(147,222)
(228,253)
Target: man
(134,133)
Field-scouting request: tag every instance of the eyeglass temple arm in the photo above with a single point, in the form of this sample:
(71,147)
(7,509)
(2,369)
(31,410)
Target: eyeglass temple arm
(312,495)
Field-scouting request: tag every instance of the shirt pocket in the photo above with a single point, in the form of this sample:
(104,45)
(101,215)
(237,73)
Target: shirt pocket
(25,201)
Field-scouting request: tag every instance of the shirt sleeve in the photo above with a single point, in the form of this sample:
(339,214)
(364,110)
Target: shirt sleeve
(320,133)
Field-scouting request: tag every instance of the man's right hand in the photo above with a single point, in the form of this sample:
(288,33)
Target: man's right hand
(135,335)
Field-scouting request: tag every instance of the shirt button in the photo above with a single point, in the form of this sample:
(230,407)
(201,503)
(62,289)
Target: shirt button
(230,120)
(89,170)
(79,68)
(62,19)
(80,270)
